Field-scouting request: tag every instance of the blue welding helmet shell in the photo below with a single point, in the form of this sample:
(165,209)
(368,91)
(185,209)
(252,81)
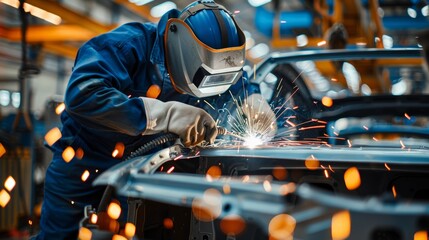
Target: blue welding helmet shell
(211,28)
(204,49)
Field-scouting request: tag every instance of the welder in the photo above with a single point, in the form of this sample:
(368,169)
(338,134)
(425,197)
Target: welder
(134,83)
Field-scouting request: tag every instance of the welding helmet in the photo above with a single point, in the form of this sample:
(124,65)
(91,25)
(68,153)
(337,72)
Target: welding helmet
(204,49)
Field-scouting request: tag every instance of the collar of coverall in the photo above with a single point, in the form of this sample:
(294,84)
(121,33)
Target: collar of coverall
(157,54)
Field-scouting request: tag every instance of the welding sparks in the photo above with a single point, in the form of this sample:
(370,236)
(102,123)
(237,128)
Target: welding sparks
(407,116)
(402,144)
(84,176)
(387,166)
(394,191)
(267,186)
(170,170)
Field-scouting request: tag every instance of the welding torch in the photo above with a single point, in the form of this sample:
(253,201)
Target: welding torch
(224,132)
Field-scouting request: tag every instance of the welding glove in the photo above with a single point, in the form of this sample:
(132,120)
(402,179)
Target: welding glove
(260,119)
(192,124)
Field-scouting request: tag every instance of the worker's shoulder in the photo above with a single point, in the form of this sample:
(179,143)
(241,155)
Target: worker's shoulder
(125,34)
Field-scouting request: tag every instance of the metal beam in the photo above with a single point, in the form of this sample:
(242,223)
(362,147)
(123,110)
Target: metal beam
(71,16)
(143,11)
(50,33)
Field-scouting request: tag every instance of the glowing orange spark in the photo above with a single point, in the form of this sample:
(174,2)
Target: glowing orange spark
(236,11)
(168,223)
(407,116)
(312,163)
(10,183)
(130,230)
(79,153)
(365,127)
(68,154)
(178,157)
(352,178)
(85,234)
(119,237)
(52,136)
(281,226)
(394,191)
(232,225)
(84,176)
(280,173)
(94,218)
(4,198)
(375,139)
(290,123)
(170,170)
(311,127)
(330,168)
(421,235)
(118,152)
(214,172)
(326,173)
(341,225)
(387,166)
(2,150)
(334,80)
(30,222)
(153,91)
(327,101)
(114,210)
(349,142)
(60,108)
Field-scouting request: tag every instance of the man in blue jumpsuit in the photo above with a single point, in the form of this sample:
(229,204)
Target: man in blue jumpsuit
(189,55)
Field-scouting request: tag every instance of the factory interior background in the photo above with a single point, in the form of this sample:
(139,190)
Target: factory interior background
(37,55)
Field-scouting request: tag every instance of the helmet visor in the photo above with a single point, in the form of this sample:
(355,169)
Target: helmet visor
(196,68)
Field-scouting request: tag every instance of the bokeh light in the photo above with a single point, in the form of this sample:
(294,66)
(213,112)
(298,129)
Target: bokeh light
(52,136)
(352,178)
(2,150)
(421,235)
(84,176)
(4,198)
(68,154)
(312,163)
(114,210)
(168,223)
(85,234)
(232,225)
(153,91)
(340,225)
(214,172)
(281,227)
(130,230)
(10,183)
(280,173)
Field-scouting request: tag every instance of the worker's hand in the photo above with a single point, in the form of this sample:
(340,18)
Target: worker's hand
(260,119)
(192,124)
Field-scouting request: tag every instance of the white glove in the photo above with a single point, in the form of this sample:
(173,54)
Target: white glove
(261,120)
(192,124)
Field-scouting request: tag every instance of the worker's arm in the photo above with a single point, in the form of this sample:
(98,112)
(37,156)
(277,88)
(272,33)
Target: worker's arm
(103,71)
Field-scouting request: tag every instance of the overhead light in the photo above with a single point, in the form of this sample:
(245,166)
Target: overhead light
(412,13)
(140,2)
(35,11)
(425,10)
(257,3)
(159,10)
(301,40)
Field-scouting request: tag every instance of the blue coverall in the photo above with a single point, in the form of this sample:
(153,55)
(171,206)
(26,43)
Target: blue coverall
(103,107)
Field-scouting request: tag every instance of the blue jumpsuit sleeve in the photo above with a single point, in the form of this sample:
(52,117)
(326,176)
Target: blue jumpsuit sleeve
(96,93)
